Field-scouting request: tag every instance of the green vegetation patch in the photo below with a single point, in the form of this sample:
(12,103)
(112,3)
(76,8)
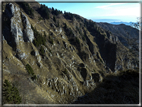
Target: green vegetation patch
(39,39)
(77,40)
(54,19)
(40,18)
(44,11)
(26,8)
(65,71)
(29,69)
(56,12)
(83,37)
(34,77)
(31,72)
(94,71)
(41,51)
(51,40)
(10,94)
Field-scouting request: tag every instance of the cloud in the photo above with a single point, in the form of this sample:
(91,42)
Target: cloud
(109,5)
(117,9)
(124,11)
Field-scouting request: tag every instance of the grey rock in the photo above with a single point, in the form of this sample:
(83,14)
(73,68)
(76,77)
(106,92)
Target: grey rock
(27,31)
(22,56)
(14,13)
(9,10)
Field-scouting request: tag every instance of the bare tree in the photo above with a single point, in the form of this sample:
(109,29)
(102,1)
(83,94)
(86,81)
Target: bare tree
(138,24)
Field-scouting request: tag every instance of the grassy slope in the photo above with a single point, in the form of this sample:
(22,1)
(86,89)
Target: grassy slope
(122,88)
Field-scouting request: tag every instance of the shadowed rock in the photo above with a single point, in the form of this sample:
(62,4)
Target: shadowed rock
(84,73)
(81,65)
(96,77)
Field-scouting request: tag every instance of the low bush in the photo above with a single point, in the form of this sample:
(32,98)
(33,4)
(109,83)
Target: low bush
(31,72)
(94,71)
(56,12)
(77,40)
(29,69)
(65,71)
(41,51)
(83,37)
(40,18)
(10,94)
(51,40)
(26,8)
(34,77)
(39,39)
(44,11)
(54,19)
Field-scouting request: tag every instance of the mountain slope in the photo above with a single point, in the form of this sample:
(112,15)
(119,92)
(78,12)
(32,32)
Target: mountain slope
(126,23)
(56,57)
(122,31)
(114,90)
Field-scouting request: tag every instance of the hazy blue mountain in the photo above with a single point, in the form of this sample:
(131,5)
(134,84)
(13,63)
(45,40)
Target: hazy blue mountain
(121,31)
(106,20)
(113,21)
(126,23)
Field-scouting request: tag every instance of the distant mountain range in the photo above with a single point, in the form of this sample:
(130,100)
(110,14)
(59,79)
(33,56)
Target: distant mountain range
(121,30)
(113,21)
(106,20)
(126,23)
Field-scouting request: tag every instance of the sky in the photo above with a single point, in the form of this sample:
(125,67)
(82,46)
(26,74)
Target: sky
(104,12)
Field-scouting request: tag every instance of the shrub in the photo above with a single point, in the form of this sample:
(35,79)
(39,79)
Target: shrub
(29,69)
(65,27)
(65,71)
(40,18)
(10,94)
(26,8)
(41,51)
(44,34)
(83,37)
(68,30)
(94,71)
(44,11)
(34,77)
(77,40)
(54,19)
(56,12)
(33,53)
(39,39)
(31,72)
(51,40)
(68,15)
(50,51)
(58,24)
(83,55)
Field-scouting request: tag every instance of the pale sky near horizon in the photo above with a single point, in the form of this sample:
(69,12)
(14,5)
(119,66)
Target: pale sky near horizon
(126,12)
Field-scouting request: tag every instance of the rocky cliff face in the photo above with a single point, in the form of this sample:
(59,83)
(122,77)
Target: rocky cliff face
(127,36)
(123,32)
(70,58)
